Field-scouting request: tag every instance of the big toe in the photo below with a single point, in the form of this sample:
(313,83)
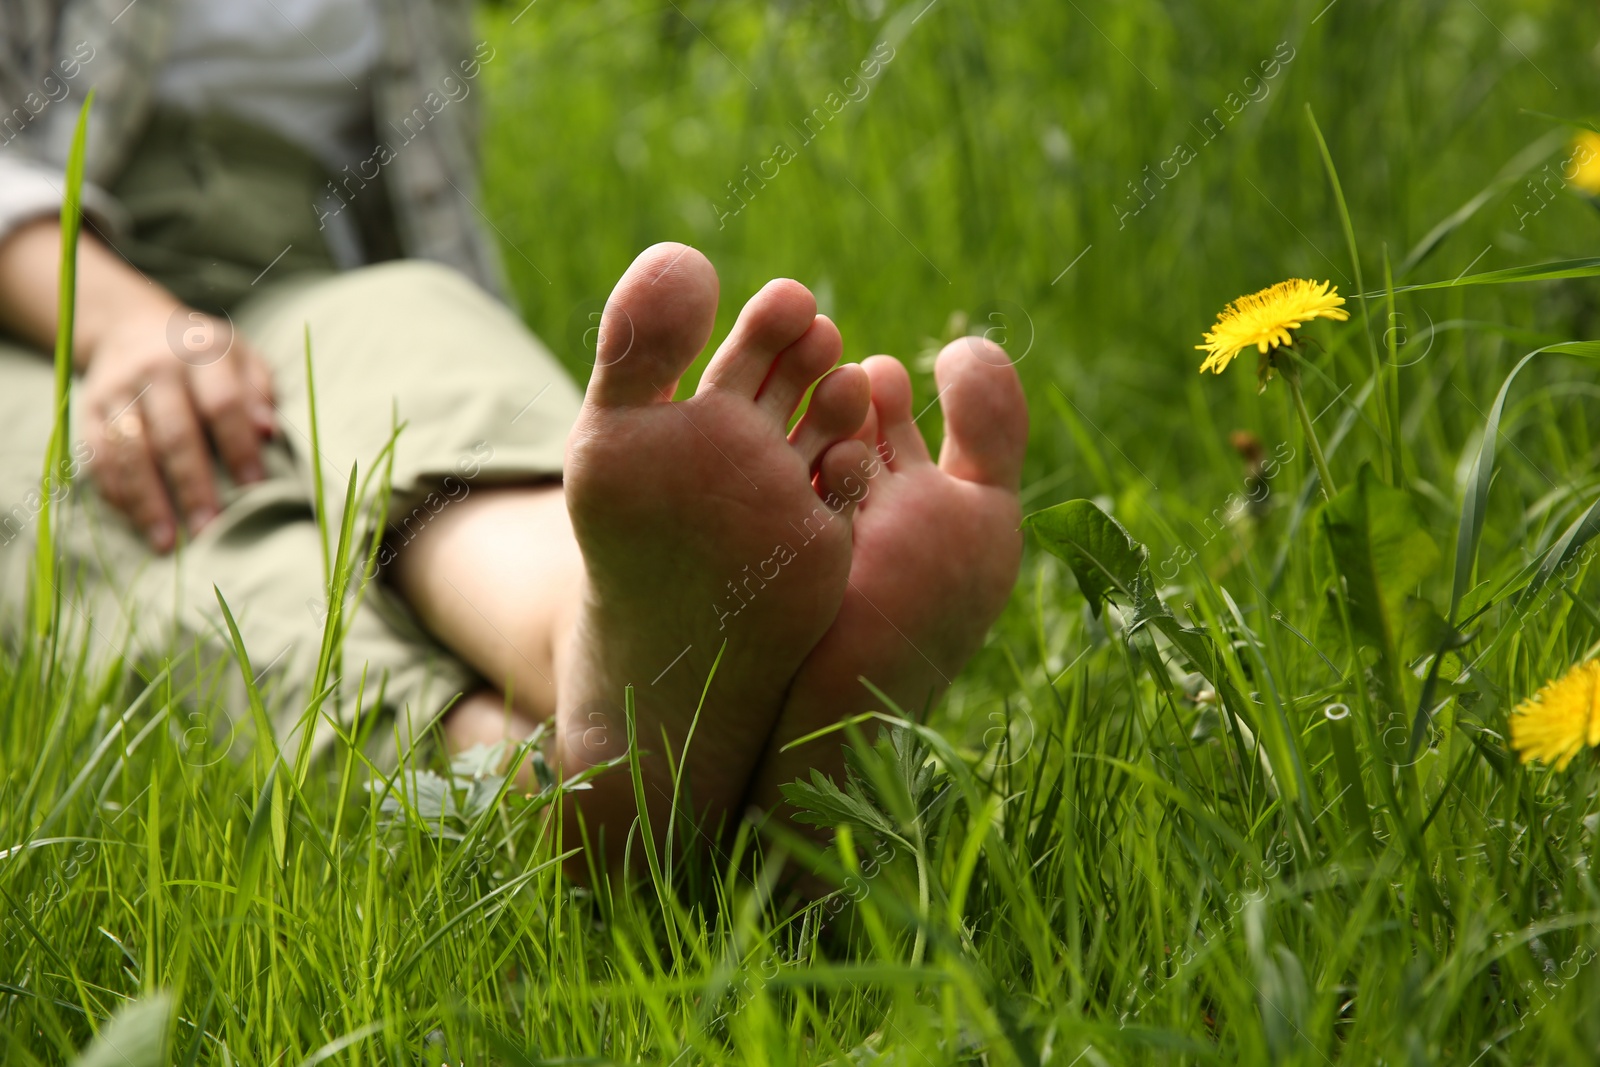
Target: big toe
(658,318)
(985,413)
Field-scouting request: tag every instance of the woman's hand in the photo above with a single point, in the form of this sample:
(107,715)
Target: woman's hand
(164,385)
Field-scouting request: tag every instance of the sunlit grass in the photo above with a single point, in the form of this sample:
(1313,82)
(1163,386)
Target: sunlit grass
(1184,812)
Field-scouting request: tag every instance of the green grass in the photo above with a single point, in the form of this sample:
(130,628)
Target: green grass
(1089,856)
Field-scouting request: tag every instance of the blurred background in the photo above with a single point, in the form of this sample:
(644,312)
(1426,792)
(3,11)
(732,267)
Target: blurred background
(1089,181)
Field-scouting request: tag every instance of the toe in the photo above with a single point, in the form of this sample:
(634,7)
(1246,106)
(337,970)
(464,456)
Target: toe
(774,319)
(802,363)
(838,407)
(868,434)
(985,413)
(658,319)
(844,475)
(902,443)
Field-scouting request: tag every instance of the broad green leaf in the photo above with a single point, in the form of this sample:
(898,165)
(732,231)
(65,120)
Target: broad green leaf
(1422,628)
(1383,553)
(1104,558)
(1109,563)
(423,792)
(479,761)
(824,804)
(1197,647)
(136,1036)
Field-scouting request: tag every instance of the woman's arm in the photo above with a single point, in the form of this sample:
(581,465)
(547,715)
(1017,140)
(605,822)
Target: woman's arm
(158,379)
(109,291)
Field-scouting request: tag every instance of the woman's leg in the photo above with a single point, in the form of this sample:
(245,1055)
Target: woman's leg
(497,576)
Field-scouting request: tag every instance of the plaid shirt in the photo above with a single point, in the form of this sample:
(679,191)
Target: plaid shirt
(53,51)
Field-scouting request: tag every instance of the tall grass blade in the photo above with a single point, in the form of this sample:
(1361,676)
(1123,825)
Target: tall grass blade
(1475,503)
(57,466)
(1586,267)
(1385,415)
(1508,176)
(1566,548)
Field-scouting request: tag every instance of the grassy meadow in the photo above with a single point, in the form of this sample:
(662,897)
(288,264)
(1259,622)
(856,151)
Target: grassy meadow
(1231,782)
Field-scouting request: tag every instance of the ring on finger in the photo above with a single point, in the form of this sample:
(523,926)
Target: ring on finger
(126,428)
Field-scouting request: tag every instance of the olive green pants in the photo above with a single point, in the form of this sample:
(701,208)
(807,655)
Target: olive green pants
(482,400)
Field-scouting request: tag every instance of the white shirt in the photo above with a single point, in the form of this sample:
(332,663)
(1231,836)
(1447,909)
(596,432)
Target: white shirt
(300,68)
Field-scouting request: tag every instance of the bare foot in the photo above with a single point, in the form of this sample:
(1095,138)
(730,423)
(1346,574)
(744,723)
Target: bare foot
(937,549)
(700,526)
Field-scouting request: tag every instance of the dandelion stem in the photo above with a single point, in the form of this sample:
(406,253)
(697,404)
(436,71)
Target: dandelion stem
(1291,374)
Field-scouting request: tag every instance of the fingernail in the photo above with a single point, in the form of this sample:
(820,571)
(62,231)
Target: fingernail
(161,535)
(251,472)
(198,519)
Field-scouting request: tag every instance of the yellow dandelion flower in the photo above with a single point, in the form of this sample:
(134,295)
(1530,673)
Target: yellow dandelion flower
(1557,722)
(1585,163)
(1264,319)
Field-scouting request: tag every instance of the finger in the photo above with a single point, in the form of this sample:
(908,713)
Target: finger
(102,469)
(260,398)
(180,449)
(127,474)
(220,395)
